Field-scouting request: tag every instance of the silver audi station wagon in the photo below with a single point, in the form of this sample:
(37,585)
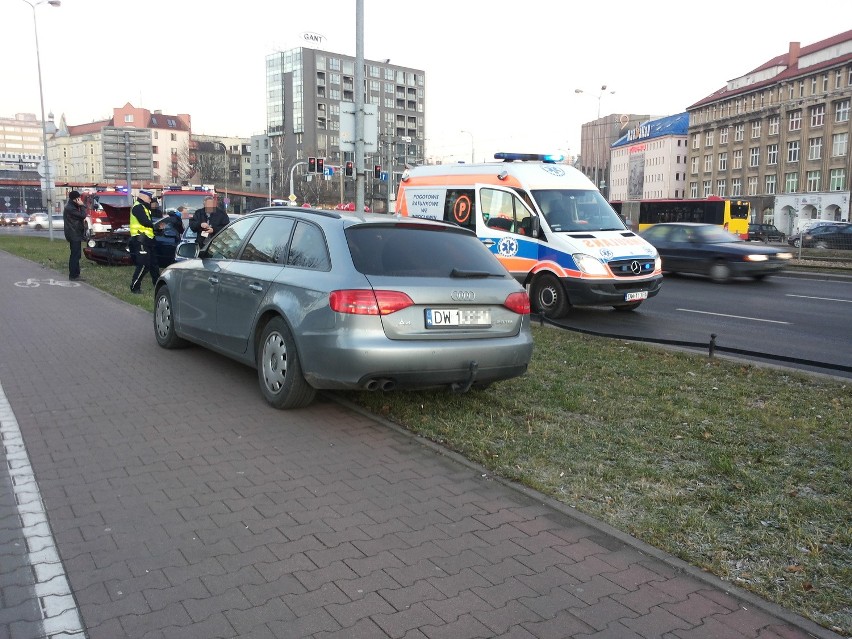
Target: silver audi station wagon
(334,300)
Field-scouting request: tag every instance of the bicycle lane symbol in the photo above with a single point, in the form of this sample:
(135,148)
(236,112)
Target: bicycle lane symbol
(35,283)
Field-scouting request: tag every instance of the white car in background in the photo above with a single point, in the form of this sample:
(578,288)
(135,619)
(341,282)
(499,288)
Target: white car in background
(38,221)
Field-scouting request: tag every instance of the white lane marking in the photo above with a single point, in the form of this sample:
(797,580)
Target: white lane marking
(60,615)
(824,299)
(752,319)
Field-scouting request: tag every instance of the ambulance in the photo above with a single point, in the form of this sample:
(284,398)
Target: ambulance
(546,223)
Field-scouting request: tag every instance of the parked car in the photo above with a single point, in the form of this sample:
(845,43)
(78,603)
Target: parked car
(708,249)
(333,300)
(836,236)
(38,221)
(765,233)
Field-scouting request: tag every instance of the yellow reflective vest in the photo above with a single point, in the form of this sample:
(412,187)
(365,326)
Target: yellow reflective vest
(136,228)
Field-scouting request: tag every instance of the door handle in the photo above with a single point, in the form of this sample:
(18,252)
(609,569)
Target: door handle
(256,287)
(213,280)
(488,242)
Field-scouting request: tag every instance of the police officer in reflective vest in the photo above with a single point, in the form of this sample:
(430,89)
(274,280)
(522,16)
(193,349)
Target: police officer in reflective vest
(142,237)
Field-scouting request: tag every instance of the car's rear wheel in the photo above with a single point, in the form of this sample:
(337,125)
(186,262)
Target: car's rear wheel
(164,321)
(797,242)
(548,296)
(720,272)
(279,370)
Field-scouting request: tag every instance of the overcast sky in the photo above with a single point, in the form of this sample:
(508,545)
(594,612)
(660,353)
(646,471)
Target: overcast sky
(504,71)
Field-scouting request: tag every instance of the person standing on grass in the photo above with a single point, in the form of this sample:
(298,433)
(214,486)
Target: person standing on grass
(142,237)
(74,223)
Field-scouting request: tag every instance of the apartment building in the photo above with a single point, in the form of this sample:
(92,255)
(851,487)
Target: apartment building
(650,160)
(305,91)
(596,137)
(778,136)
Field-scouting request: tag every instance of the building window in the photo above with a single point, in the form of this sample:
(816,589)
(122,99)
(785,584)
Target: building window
(155,150)
(791,182)
(841,111)
(696,141)
(128,117)
(793,151)
(755,129)
(708,188)
(694,165)
(813,85)
(818,115)
(770,184)
(839,144)
(720,187)
(752,185)
(736,187)
(708,163)
(815,149)
(795,120)
(708,139)
(837,180)
(723,135)
(156,164)
(754,156)
(738,159)
(693,190)
(813,181)
(774,125)
(772,154)
(739,132)
(838,78)
(723,161)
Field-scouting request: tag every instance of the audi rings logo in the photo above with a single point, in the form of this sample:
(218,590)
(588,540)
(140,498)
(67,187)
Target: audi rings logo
(463,296)
(635,267)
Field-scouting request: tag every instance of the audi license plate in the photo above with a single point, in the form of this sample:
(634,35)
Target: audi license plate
(441,317)
(636,295)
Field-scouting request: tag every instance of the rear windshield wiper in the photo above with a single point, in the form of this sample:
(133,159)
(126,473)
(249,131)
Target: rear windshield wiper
(473,274)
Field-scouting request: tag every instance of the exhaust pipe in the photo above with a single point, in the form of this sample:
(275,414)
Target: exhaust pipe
(388,385)
(372,385)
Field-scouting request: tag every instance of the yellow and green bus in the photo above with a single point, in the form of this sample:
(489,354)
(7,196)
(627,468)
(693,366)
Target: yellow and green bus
(732,215)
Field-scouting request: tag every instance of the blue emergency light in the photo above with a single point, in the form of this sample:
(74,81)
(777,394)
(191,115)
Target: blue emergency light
(549,158)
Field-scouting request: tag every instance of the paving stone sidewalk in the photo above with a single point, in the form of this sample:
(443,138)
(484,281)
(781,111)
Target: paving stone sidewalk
(183,506)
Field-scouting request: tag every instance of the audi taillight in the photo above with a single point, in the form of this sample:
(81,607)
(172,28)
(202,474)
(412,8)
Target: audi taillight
(518,303)
(368,302)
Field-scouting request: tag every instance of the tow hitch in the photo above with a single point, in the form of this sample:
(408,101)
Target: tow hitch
(472,369)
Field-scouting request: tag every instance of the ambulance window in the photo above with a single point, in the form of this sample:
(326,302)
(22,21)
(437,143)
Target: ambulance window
(459,208)
(505,211)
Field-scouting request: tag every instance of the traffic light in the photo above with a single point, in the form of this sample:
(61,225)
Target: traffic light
(320,165)
(377,171)
(349,169)
(312,165)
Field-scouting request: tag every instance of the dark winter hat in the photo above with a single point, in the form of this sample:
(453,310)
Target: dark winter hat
(73,195)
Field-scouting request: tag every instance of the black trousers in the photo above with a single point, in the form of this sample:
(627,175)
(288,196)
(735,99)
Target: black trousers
(74,259)
(145,262)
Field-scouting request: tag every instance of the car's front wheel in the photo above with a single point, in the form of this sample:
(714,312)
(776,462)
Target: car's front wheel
(279,370)
(164,321)
(720,272)
(797,242)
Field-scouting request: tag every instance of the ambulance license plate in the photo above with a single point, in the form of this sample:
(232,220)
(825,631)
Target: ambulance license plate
(442,317)
(636,295)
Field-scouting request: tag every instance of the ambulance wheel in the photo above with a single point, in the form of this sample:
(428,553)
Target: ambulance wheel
(548,296)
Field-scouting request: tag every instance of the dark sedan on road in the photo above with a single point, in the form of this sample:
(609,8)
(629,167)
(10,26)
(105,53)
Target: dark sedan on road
(334,300)
(708,249)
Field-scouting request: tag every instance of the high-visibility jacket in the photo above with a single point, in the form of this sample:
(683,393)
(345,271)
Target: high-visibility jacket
(136,227)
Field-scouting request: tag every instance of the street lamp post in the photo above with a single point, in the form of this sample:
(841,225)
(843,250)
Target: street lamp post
(33,5)
(595,130)
(472,154)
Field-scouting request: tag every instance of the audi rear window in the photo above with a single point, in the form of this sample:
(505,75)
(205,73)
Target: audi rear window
(379,249)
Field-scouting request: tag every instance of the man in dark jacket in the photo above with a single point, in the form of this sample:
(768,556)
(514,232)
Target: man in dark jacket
(74,222)
(208,221)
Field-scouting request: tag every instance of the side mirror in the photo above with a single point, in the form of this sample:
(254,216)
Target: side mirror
(535,226)
(189,250)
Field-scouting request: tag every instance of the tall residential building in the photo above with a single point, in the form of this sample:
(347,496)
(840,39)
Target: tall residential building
(305,91)
(778,136)
(650,160)
(21,140)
